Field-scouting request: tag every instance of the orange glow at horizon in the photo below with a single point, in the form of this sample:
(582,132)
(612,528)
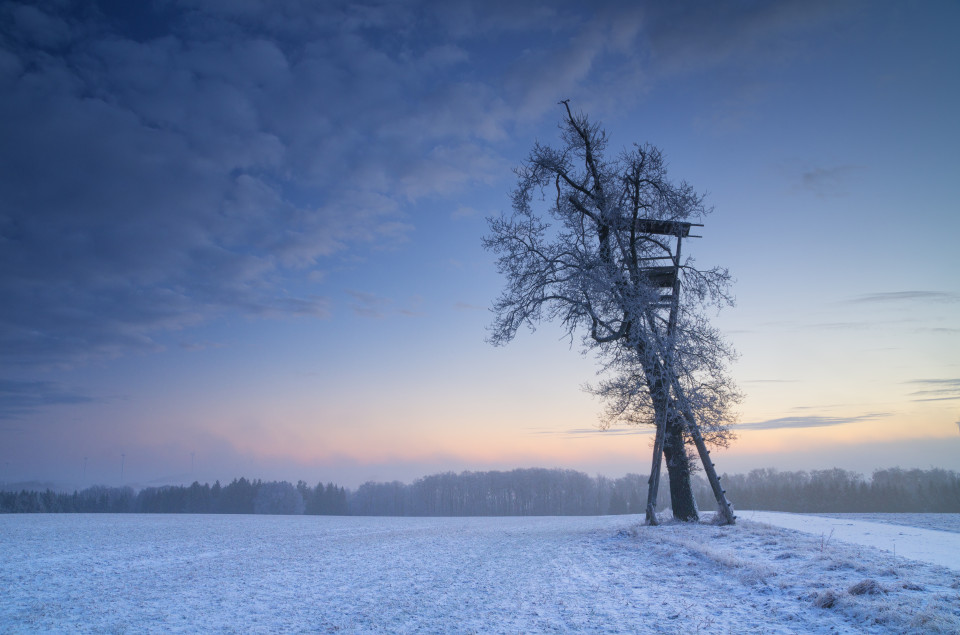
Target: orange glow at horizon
(523,446)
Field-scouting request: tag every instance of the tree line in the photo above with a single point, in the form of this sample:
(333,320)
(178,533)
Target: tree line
(238,497)
(838,491)
(521,492)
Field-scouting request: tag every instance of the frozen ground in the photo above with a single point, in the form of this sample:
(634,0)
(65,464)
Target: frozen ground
(897,537)
(68,573)
(942,522)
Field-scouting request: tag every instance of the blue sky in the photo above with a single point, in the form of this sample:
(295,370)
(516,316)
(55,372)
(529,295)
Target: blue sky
(243,238)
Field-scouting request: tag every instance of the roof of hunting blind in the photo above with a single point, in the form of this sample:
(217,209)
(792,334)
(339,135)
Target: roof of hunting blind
(665,227)
(662,277)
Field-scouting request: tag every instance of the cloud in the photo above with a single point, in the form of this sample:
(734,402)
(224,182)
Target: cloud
(18,398)
(153,184)
(812,421)
(145,191)
(464,211)
(770,381)
(583,433)
(897,297)
(370,305)
(412,307)
(828,182)
(165,164)
(839,326)
(935,389)
(570,62)
(199,345)
(690,36)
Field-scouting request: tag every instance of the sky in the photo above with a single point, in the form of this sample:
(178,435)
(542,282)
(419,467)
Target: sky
(243,237)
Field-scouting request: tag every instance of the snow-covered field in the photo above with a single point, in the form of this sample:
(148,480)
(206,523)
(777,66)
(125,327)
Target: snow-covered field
(887,532)
(943,522)
(68,573)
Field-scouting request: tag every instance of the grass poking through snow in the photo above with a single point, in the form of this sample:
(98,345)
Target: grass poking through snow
(871,589)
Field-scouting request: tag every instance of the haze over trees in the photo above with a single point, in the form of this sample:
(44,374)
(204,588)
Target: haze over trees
(567,492)
(522,492)
(588,245)
(240,496)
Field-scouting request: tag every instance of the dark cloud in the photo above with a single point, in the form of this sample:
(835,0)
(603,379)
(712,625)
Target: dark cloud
(811,421)
(18,398)
(828,182)
(164,164)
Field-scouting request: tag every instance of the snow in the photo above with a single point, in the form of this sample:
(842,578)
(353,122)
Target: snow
(926,545)
(182,573)
(943,522)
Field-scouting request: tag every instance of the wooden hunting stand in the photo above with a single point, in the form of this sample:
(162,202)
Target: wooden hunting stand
(666,277)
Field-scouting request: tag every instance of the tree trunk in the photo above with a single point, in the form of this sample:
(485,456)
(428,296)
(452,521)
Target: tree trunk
(653,484)
(678,467)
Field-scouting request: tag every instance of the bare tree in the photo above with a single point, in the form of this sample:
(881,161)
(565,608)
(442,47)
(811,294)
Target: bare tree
(598,257)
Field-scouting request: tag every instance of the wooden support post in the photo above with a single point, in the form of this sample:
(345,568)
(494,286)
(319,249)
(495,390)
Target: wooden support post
(653,484)
(724,508)
(658,440)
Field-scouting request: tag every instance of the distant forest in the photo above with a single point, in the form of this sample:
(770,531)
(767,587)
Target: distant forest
(522,492)
(239,497)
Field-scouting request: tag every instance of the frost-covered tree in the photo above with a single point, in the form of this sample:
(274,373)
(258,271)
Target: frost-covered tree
(278,498)
(588,244)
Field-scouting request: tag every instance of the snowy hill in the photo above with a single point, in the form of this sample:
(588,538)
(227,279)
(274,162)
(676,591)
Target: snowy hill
(164,573)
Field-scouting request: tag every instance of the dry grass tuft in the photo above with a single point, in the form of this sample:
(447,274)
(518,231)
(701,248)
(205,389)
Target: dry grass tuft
(936,617)
(825,599)
(867,587)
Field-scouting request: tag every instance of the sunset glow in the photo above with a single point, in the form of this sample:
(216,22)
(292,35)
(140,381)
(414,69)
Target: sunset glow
(236,241)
